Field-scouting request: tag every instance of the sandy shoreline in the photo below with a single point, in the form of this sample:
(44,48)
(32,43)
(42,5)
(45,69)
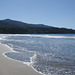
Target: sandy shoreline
(12,67)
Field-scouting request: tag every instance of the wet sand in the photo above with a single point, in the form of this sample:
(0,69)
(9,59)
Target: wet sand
(12,67)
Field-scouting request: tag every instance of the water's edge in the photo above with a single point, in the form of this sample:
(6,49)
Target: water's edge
(11,50)
(46,54)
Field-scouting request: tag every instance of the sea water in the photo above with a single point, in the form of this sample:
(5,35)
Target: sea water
(50,54)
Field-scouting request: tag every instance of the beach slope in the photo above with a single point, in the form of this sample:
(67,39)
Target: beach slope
(12,67)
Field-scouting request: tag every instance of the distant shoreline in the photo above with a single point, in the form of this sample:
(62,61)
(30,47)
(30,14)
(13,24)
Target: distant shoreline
(9,26)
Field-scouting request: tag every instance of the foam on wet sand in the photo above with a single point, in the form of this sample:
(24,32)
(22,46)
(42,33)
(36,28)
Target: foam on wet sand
(12,67)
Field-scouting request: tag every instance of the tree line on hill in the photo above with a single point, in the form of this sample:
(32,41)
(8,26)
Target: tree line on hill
(16,27)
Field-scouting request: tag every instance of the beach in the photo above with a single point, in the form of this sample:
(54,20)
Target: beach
(31,54)
(12,67)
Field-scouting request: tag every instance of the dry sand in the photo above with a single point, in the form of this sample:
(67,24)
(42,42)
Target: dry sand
(12,67)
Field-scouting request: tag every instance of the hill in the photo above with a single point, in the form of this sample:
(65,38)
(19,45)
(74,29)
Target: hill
(14,23)
(9,26)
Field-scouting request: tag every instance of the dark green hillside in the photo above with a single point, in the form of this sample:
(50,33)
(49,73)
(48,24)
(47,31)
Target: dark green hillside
(16,27)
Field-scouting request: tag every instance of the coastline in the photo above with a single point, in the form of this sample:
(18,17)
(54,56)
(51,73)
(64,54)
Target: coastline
(13,67)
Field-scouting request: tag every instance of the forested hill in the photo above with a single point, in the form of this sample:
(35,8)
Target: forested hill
(9,26)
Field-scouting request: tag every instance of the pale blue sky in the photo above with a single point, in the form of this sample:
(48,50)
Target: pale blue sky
(58,13)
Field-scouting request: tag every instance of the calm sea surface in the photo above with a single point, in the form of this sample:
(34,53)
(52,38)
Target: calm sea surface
(50,54)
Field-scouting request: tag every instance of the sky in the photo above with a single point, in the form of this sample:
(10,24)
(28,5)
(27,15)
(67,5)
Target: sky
(57,13)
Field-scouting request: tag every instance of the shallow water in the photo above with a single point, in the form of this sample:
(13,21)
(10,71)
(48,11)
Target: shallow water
(52,54)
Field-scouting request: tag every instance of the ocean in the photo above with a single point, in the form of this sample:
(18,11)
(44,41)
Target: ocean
(49,54)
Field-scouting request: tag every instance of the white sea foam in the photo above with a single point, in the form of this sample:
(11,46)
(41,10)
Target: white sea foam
(1,37)
(11,50)
(44,36)
(27,63)
(32,59)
